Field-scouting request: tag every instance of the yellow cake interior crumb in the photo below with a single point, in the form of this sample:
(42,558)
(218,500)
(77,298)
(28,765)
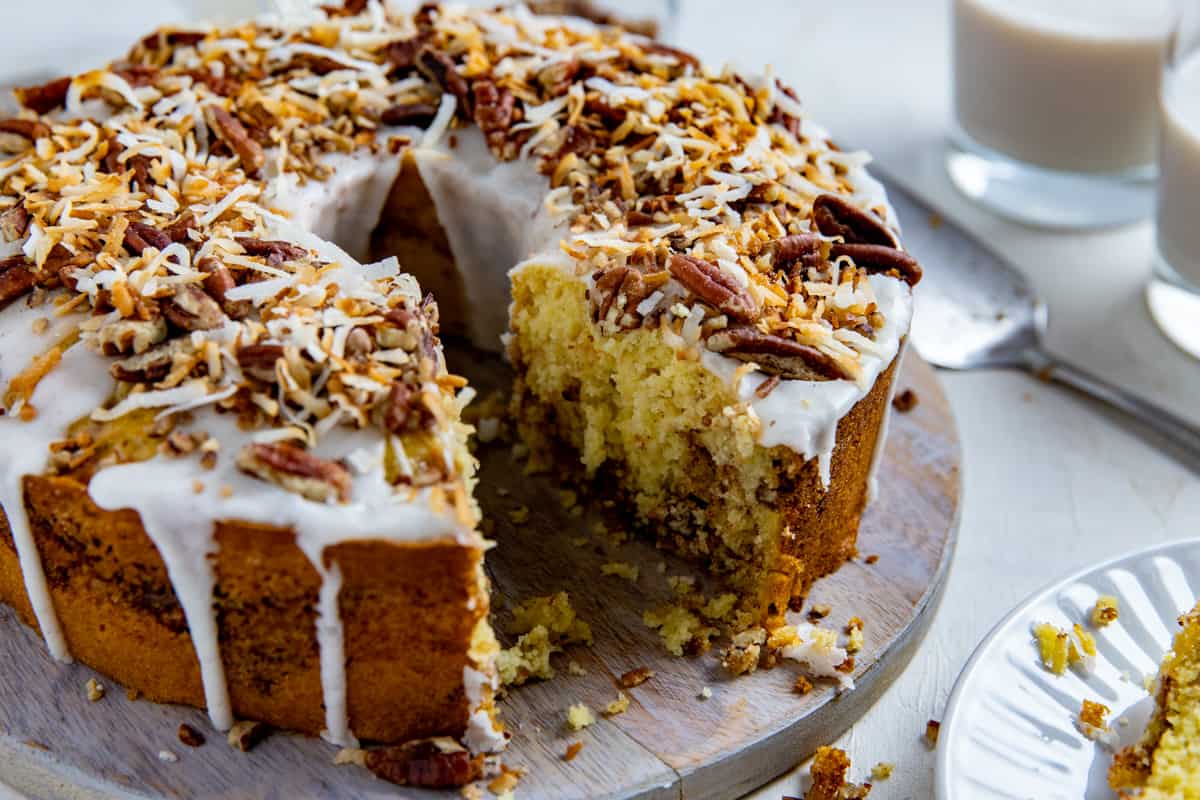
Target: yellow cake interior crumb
(1106,611)
(579,716)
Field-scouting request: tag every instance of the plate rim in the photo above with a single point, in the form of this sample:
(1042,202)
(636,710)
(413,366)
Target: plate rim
(950,716)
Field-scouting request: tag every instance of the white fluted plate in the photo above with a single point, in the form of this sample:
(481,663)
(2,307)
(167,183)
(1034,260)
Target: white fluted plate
(1010,726)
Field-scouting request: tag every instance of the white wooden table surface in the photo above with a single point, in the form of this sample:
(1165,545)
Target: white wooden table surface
(1052,483)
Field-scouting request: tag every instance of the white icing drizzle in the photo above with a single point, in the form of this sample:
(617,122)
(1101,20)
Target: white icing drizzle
(884,429)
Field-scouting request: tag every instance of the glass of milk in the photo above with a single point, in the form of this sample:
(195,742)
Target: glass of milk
(1055,107)
(1173,294)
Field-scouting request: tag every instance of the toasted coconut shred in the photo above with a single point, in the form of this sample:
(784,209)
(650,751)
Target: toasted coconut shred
(162,213)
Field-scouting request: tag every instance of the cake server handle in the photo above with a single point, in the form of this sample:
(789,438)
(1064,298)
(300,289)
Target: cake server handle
(1179,433)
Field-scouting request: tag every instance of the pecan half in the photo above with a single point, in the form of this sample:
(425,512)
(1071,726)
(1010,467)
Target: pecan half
(219,84)
(111,163)
(879,258)
(139,236)
(18,134)
(296,470)
(169,38)
(131,335)
(193,310)
(836,216)
(440,69)
(138,75)
(44,97)
(14,223)
(231,131)
(430,763)
(16,279)
(557,78)
(806,249)
(418,114)
(776,355)
(619,289)
(217,281)
(178,230)
(258,360)
(714,286)
(276,252)
(402,54)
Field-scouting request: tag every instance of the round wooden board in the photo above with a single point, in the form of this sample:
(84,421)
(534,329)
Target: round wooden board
(669,743)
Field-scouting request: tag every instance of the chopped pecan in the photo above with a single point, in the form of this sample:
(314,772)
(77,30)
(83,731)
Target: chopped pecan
(714,286)
(193,310)
(217,281)
(350,8)
(635,677)
(231,131)
(441,70)
(779,117)
(45,97)
(576,139)
(165,37)
(775,354)
(494,108)
(178,230)
(837,216)
(219,84)
(21,133)
(557,78)
(16,279)
(138,75)
(402,54)
(190,736)
(258,360)
(430,763)
(418,114)
(905,401)
(14,223)
(139,236)
(127,336)
(806,249)
(247,734)
(296,470)
(879,258)
(276,252)
(635,218)
(404,410)
(152,365)
(140,165)
(619,288)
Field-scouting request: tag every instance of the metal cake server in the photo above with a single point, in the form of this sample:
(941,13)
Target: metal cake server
(973,310)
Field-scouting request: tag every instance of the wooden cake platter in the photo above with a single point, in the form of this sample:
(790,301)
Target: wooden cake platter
(55,743)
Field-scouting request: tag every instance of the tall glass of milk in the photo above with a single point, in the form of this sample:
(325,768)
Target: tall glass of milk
(1055,107)
(1173,295)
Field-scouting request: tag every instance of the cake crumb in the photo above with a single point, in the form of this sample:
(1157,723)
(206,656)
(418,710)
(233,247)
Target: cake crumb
(132,694)
(635,677)
(1093,723)
(247,734)
(350,755)
(819,611)
(621,569)
(829,770)
(94,689)
(871,559)
(41,325)
(802,685)
(705,693)
(579,541)
(855,641)
(198,486)
(226,491)
(519,515)
(680,629)
(882,771)
(719,607)
(579,716)
(932,729)
(744,651)
(189,735)
(506,781)
(575,668)
(1105,611)
(1059,649)
(167,756)
(618,706)
(905,401)
(572,750)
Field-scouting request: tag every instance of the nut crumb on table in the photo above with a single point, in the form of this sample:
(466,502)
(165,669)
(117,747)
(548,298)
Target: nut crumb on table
(932,729)
(94,689)
(905,401)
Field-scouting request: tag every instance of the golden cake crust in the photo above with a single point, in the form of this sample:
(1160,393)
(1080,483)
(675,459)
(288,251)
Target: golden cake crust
(405,651)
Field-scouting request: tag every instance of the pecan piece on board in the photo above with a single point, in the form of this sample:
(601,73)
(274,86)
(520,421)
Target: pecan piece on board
(44,97)
(231,131)
(776,355)
(276,252)
(296,470)
(404,409)
(418,114)
(193,310)
(494,107)
(714,286)
(837,216)
(879,258)
(430,763)
(16,279)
